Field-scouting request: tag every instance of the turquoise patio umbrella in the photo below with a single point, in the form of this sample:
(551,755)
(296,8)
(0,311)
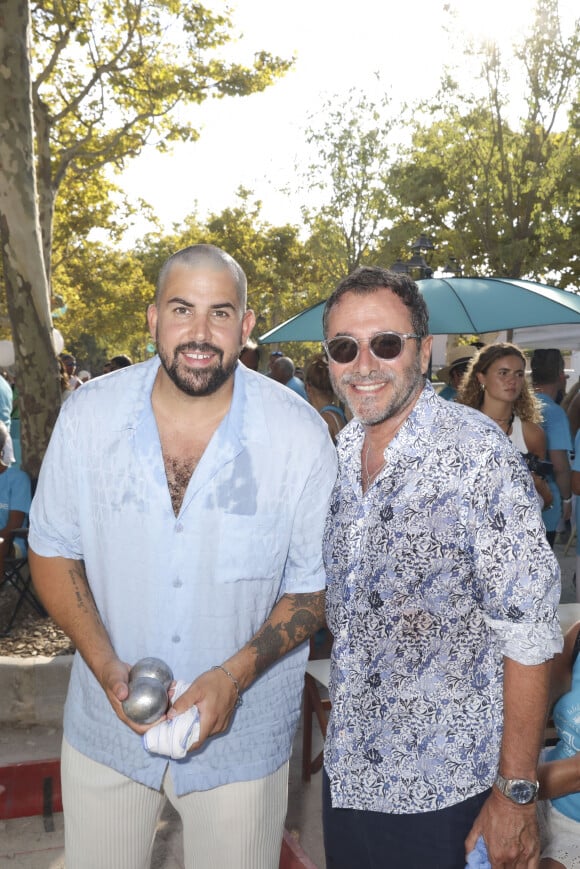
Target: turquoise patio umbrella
(463,306)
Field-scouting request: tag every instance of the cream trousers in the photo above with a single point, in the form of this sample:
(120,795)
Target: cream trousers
(110,820)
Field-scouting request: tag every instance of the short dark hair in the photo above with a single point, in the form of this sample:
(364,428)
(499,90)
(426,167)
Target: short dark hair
(121,361)
(252,345)
(547,366)
(285,367)
(253,348)
(370,279)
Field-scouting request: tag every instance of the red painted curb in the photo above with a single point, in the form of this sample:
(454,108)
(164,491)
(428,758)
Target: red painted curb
(292,855)
(30,788)
(33,788)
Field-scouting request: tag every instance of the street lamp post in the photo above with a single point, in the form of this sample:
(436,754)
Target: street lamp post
(451,269)
(400,267)
(418,264)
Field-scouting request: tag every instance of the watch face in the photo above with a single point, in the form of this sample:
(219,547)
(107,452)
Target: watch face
(522,792)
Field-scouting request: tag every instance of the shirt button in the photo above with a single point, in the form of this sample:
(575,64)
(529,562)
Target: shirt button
(175,638)
(177,583)
(179,527)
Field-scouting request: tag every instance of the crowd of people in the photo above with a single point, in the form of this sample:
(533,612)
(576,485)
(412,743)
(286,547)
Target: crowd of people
(71,378)
(15,484)
(224,516)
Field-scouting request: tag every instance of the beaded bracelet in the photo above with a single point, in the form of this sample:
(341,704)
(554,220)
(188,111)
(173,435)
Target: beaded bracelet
(239,700)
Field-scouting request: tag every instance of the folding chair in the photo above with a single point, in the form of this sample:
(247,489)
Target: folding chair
(17,577)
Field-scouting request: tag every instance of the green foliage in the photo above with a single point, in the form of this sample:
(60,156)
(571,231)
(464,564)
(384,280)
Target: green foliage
(110,74)
(87,201)
(110,77)
(498,192)
(106,297)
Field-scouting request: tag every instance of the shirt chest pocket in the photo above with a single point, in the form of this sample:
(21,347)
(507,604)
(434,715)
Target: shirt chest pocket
(250,548)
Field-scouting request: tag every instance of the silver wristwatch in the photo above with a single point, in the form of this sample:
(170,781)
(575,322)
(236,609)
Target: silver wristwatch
(518,790)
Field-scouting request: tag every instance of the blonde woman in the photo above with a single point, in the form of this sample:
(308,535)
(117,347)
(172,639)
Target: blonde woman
(495,383)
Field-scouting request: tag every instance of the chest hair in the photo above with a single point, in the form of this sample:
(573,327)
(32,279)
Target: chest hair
(184,439)
(178,470)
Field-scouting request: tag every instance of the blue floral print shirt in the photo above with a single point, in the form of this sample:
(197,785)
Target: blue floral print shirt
(435,574)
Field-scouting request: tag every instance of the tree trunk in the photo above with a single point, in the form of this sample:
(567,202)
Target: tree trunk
(27,289)
(44,187)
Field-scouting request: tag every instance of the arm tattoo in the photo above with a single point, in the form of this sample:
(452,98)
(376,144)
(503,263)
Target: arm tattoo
(85,600)
(275,640)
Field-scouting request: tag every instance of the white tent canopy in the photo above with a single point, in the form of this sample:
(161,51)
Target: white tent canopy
(566,338)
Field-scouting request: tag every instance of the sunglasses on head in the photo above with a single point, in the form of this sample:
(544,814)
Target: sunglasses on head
(383,345)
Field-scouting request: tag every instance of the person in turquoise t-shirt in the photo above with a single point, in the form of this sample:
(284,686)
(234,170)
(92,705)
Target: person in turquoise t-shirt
(14,503)
(549,380)
(576,491)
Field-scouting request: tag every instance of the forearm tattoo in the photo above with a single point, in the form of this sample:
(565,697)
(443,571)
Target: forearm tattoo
(84,598)
(275,640)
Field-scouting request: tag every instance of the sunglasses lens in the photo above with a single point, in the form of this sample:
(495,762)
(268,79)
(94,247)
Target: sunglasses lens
(386,345)
(342,350)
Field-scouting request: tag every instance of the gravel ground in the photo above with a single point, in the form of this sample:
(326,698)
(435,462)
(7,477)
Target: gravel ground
(31,634)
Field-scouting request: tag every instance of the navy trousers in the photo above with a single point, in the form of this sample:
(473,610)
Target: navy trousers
(356,839)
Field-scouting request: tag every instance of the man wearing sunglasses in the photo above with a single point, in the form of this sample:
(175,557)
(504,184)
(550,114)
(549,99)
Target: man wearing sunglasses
(442,600)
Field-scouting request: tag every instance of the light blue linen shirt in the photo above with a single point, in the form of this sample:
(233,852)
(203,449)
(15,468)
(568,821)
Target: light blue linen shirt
(191,589)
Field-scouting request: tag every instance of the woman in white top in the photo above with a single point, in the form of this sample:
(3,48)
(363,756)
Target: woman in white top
(495,383)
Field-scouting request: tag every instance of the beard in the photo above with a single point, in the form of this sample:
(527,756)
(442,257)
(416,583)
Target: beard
(366,409)
(193,382)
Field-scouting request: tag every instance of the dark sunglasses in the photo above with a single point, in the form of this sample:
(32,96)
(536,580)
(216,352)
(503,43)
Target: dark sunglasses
(384,345)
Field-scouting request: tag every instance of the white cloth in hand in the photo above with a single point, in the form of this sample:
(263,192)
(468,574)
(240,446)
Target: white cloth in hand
(174,736)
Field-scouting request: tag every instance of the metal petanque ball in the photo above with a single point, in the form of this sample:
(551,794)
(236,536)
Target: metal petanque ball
(147,700)
(152,668)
